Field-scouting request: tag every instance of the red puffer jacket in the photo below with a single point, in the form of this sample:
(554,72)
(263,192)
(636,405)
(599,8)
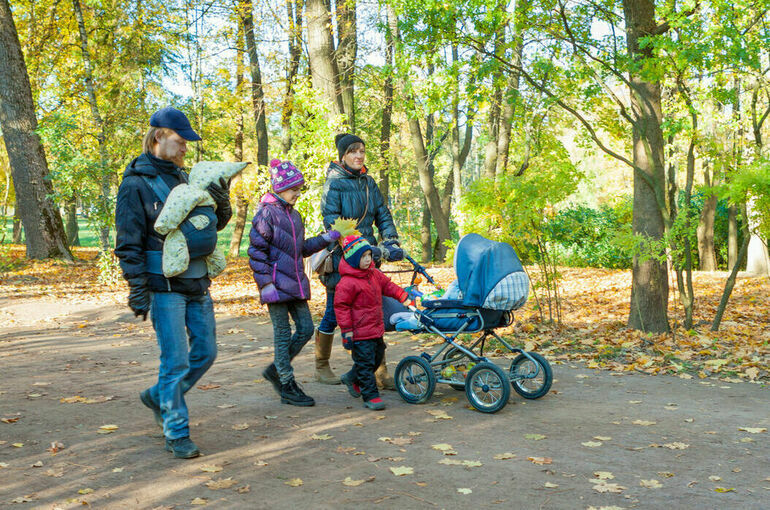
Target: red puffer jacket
(358,300)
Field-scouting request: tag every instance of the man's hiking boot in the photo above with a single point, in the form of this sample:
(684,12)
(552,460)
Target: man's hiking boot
(147,400)
(271,374)
(375,404)
(183,448)
(353,388)
(293,394)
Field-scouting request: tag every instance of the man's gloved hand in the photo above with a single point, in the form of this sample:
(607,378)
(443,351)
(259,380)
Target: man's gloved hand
(393,250)
(269,294)
(347,340)
(220,193)
(330,236)
(139,296)
(376,254)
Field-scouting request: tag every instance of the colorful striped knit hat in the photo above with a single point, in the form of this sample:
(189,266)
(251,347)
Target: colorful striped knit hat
(353,248)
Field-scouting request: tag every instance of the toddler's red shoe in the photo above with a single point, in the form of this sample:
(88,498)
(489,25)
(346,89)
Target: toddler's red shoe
(375,404)
(353,388)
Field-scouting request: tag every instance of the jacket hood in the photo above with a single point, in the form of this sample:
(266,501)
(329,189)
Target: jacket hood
(271,198)
(347,269)
(141,166)
(336,170)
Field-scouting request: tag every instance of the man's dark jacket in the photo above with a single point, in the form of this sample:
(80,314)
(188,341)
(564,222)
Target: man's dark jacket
(135,213)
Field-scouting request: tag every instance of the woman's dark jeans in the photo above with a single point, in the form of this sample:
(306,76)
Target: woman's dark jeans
(329,322)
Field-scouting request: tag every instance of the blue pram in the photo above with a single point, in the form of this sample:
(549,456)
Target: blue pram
(491,284)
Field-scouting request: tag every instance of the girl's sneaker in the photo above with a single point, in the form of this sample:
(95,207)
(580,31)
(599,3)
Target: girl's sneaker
(375,404)
(353,388)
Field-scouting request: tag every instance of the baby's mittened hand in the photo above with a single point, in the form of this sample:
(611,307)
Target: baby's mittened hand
(347,340)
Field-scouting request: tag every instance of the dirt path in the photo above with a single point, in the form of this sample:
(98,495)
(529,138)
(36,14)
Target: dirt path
(667,442)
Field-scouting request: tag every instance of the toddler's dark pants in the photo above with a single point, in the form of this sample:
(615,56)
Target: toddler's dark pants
(367,357)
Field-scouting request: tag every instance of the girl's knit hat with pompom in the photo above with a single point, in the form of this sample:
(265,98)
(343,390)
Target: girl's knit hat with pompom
(284,175)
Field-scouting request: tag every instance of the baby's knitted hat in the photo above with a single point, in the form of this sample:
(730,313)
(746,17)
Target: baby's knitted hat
(284,175)
(353,248)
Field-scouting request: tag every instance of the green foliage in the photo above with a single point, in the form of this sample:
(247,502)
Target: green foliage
(751,184)
(586,237)
(109,269)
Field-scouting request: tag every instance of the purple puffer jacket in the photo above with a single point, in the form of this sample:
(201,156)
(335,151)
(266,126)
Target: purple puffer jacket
(278,244)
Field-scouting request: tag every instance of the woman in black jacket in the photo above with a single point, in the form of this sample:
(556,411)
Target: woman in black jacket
(350,192)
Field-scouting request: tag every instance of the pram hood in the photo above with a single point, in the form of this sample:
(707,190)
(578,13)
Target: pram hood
(490,274)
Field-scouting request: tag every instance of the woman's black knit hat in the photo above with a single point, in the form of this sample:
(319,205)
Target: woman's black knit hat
(345,140)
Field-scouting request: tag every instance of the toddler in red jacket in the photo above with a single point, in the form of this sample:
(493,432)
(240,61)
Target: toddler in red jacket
(358,307)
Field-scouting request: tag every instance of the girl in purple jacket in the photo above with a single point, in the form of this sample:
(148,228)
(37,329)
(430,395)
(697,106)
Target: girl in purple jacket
(277,246)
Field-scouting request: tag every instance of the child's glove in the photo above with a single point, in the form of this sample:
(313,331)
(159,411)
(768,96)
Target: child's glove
(347,340)
(331,236)
(269,294)
(393,251)
(413,293)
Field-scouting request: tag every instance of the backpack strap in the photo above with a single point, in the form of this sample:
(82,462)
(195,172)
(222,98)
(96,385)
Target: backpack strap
(158,186)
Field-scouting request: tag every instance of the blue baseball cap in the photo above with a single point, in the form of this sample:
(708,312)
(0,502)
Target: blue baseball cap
(172,118)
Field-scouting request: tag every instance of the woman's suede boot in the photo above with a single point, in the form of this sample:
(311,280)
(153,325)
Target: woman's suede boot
(323,351)
(384,380)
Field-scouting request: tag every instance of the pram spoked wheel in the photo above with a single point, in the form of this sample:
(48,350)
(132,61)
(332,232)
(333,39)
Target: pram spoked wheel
(531,380)
(487,387)
(415,380)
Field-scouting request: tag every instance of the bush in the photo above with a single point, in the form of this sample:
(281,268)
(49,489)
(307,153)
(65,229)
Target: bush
(585,237)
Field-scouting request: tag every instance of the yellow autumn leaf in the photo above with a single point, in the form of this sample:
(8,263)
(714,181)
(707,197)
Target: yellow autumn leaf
(604,475)
(294,482)
(753,430)
(540,461)
(650,484)
(644,423)
(402,470)
(603,487)
(592,444)
(352,483)
(222,483)
(211,468)
(504,456)
(321,437)
(199,501)
(549,485)
(534,437)
(240,426)
(464,491)
(85,491)
(439,415)
(723,489)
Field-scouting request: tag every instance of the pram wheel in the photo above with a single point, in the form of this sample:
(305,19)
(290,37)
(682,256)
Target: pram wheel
(415,380)
(487,387)
(531,380)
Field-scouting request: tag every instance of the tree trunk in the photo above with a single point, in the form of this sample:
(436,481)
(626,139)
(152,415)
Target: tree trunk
(294,11)
(732,235)
(323,65)
(104,198)
(43,227)
(649,288)
(17,230)
(706,249)
(757,261)
(459,150)
(509,108)
(387,112)
(426,239)
(257,93)
(241,202)
(71,223)
(346,56)
(729,287)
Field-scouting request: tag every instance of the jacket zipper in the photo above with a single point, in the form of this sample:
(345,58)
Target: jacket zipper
(296,263)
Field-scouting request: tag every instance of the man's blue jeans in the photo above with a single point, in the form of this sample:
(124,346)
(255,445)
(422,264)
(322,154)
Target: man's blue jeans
(329,321)
(183,360)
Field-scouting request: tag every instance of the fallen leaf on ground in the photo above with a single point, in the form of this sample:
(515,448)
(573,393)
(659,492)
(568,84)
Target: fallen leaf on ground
(592,444)
(644,423)
(534,437)
(244,489)
(464,491)
(222,483)
(260,463)
(504,456)
(676,446)
(4,465)
(402,470)
(211,468)
(240,426)
(445,448)
(10,420)
(753,430)
(108,429)
(321,437)
(665,474)
(540,461)
(85,491)
(549,485)
(650,484)
(226,406)
(634,401)
(55,447)
(17,445)
(715,478)
(352,483)
(439,415)
(199,501)
(38,464)
(602,438)
(294,482)
(602,486)
(21,499)
(209,386)
(455,462)
(117,470)
(604,475)
(724,489)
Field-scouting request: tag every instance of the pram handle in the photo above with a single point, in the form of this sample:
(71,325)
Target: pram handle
(415,265)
